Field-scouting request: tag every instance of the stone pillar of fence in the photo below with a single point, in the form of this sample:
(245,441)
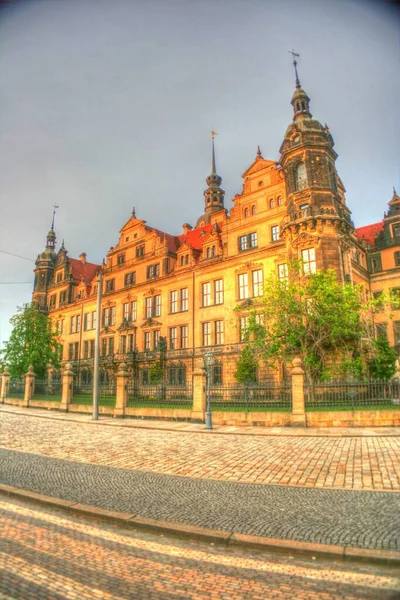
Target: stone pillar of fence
(298,417)
(5,378)
(50,375)
(29,386)
(199,392)
(67,387)
(122,390)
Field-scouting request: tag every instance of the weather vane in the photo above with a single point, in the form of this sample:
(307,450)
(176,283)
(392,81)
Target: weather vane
(213,134)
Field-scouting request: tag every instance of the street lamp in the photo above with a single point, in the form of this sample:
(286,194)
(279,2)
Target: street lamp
(209,360)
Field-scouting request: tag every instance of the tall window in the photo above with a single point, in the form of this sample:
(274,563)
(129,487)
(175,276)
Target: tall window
(111,345)
(243,281)
(110,285)
(153,306)
(72,325)
(309,263)
(206,294)
(184,293)
(282,272)
(397,259)
(184,336)
(173,301)
(94,319)
(104,347)
(172,337)
(257,280)
(86,321)
(272,203)
(275,233)
(147,340)
(139,251)
(301,176)
(122,344)
(120,259)
(219,332)
(206,334)
(243,328)
(130,311)
(177,375)
(219,291)
(109,316)
(156,339)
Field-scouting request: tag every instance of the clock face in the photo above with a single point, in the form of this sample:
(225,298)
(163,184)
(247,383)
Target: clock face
(296,139)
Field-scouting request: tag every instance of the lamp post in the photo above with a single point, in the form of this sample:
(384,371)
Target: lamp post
(209,360)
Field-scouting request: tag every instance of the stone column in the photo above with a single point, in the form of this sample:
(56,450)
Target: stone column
(4,383)
(122,390)
(199,392)
(298,417)
(29,386)
(67,387)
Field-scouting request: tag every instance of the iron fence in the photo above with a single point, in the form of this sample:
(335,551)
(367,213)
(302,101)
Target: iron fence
(83,394)
(160,396)
(266,397)
(352,395)
(47,390)
(15,388)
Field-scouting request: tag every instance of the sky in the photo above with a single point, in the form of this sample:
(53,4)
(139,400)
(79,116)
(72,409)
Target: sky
(106,105)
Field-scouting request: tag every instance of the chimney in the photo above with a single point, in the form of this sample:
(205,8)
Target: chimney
(186,228)
(82,257)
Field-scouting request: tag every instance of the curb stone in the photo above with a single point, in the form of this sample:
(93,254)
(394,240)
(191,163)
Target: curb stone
(227,538)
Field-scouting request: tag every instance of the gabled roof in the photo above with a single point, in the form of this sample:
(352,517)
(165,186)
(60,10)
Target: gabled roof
(82,271)
(369,232)
(259,164)
(171,239)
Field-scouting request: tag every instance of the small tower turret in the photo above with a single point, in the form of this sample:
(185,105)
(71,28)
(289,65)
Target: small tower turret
(44,271)
(214,194)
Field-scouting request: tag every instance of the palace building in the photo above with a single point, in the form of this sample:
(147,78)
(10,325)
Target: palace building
(176,295)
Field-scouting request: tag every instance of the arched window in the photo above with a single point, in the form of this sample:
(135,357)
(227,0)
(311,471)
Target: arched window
(301,176)
(279,200)
(208,252)
(272,203)
(213,251)
(253,209)
(246,212)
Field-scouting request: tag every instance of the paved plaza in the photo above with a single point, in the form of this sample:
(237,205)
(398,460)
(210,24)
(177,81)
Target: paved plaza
(328,490)
(48,555)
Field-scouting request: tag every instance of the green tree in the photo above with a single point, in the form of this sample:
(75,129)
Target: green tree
(313,316)
(32,342)
(156,372)
(246,367)
(383,364)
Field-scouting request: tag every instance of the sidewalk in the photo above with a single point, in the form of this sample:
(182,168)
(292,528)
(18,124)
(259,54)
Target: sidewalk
(340,490)
(200,427)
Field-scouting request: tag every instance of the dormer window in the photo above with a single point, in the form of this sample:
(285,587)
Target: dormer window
(396,230)
(120,259)
(246,212)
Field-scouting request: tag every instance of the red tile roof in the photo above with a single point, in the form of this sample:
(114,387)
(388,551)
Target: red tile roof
(369,232)
(82,271)
(196,237)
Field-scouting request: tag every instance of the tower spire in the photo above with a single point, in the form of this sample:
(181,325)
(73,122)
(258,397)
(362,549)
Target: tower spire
(294,55)
(54,214)
(214,195)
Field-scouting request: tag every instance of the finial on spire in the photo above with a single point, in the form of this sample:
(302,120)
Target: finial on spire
(294,54)
(133,211)
(259,155)
(394,191)
(54,214)
(213,167)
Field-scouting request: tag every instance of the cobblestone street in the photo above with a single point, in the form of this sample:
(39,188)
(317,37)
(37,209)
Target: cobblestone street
(47,555)
(369,463)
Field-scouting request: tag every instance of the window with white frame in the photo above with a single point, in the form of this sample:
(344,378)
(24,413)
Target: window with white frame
(156,339)
(243,285)
(300,176)
(309,262)
(108,316)
(206,294)
(243,328)
(219,291)
(147,341)
(257,281)
(173,301)
(248,241)
(275,233)
(282,272)
(184,296)
(219,332)
(153,306)
(184,336)
(172,337)
(206,334)
(153,271)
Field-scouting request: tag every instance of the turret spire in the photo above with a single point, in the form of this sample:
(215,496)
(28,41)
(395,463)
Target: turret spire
(214,195)
(294,54)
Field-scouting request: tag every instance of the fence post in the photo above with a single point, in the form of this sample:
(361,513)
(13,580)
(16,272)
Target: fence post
(29,386)
(298,417)
(199,393)
(67,387)
(122,391)
(4,384)
(50,374)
